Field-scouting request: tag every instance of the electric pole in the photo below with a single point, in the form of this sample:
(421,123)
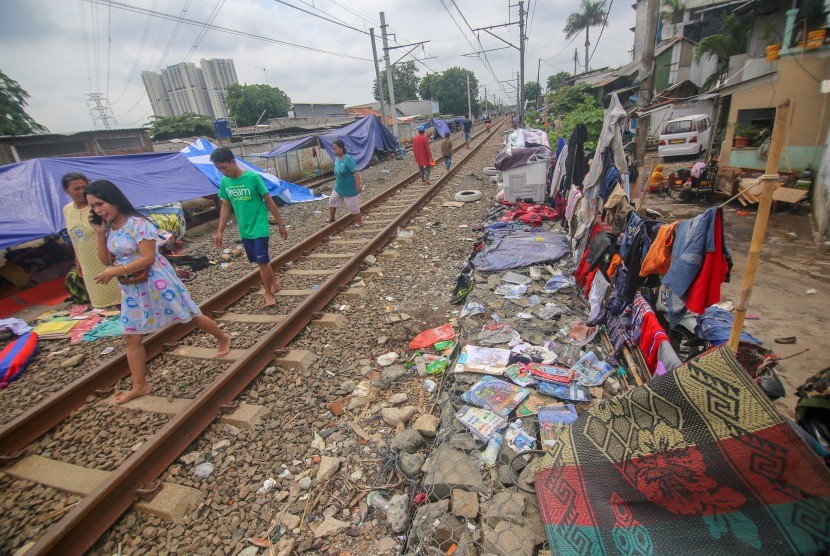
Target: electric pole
(647,84)
(485,98)
(538,82)
(576,60)
(100,110)
(521,88)
(377,75)
(389,74)
(469,105)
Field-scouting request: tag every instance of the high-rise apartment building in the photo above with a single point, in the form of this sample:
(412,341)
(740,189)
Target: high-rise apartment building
(159,100)
(219,74)
(185,88)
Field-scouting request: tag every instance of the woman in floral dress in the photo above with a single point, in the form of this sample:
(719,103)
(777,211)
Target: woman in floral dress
(147,304)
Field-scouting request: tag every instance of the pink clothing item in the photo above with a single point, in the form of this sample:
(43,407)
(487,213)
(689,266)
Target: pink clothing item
(574,195)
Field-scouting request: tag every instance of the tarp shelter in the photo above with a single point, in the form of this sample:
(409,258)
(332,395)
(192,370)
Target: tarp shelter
(362,139)
(198,153)
(441,127)
(32,202)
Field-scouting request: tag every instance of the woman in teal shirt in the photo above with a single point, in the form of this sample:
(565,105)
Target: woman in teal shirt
(347,184)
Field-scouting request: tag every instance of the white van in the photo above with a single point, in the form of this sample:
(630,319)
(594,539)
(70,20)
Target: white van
(685,136)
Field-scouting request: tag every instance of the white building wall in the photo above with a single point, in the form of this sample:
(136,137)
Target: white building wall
(159,100)
(219,74)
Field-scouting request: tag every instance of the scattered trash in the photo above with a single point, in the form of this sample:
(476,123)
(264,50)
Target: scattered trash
(438,366)
(580,333)
(553,421)
(496,395)
(387,359)
(107,350)
(535,273)
(590,371)
(500,333)
(267,485)
(315,287)
(405,233)
(787,340)
(482,423)
(811,291)
(534,300)
(559,282)
(525,316)
(485,360)
(472,309)
(742,213)
(444,345)
(430,386)
(376,500)
(429,337)
(203,470)
(552,311)
(511,291)
(518,440)
(489,455)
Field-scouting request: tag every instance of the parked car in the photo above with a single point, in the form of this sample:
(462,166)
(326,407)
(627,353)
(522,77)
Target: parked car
(684,136)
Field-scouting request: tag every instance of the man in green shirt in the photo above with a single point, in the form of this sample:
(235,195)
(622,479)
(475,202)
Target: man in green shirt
(246,193)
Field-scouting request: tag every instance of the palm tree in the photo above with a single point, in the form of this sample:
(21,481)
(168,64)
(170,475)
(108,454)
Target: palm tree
(593,14)
(673,11)
(723,46)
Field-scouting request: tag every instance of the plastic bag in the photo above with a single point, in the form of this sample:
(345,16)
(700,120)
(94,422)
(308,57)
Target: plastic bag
(429,337)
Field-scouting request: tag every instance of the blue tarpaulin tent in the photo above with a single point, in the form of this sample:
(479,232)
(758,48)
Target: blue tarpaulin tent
(198,153)
(32,202)
(362,138)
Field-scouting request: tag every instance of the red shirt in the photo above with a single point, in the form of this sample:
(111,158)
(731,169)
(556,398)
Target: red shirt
(421,149)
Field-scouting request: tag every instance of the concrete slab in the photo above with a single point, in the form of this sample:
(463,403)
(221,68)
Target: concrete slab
(330,256)
(193,352)
(172,503)
(371,272)
(246,416)
(311,272)
(297,359)
(252,319)
(388,255)
(330,320)
(354,292)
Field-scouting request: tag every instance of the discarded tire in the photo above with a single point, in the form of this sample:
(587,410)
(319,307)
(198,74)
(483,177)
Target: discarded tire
(468,196)
(490,171)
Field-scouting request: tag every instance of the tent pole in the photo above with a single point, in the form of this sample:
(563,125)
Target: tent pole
(770,182)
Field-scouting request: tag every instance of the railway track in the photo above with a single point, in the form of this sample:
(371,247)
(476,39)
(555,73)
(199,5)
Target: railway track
(137,476)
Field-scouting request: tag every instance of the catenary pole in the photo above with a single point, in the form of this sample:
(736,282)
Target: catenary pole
(469,104)
(389,80)
(377,75)
(770,183)
(538,83)
(521,88)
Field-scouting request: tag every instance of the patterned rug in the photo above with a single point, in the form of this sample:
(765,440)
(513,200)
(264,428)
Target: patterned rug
(699,461)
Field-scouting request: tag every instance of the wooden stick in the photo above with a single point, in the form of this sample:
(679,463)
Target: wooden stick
(770,182)
(639,207)
(635,371)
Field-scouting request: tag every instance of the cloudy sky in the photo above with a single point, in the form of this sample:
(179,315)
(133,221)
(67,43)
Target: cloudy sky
(60,50)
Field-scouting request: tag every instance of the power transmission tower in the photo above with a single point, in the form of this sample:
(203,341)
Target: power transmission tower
(100,110)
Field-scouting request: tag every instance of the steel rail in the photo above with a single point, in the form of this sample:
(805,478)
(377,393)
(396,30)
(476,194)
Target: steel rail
(96,513)
(40,419)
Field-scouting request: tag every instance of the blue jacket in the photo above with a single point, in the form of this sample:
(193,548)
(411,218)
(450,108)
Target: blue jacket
(692,240)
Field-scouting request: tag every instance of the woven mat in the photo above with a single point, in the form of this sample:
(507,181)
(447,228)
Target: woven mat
(699,461)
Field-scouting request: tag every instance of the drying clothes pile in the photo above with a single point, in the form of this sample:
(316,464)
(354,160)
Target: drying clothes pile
(529,213)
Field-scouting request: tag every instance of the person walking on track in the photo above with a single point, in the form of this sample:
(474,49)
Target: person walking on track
(423,154)
(347,184)
(246,193)
(152,294)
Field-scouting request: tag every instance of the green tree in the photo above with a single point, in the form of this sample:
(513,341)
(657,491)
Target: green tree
(723,46)
(427,86)
(247,102)
(566,99)
(557,80)
(593,14)
(405,78)
(532,90)
(180,127)
(450,90)
(13,117)
(587,112)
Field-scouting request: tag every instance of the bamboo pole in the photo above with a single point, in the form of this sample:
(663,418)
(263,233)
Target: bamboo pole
(770,182)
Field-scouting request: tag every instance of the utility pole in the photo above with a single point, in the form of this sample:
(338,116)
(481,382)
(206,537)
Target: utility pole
(377,75)
(646,86)
(469,104)
(539,83)
(521,88)
(485,97)
(576,60)
(389,74)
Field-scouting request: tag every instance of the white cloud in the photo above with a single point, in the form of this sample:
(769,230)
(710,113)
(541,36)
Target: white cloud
(43,47)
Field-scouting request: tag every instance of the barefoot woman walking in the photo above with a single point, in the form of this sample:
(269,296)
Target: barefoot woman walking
(152,295)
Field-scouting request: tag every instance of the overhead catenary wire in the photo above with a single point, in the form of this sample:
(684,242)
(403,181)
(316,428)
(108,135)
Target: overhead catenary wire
(235,32)
(173,34)
(211,18)
(601,29)
(141,45)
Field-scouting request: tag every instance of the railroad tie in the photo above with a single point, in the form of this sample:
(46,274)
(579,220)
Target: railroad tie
(195,352)
(351,292)
(311,272)
(327,320)
(330,256)
(348,241)
(362,231)
(172,503)
(246,416)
